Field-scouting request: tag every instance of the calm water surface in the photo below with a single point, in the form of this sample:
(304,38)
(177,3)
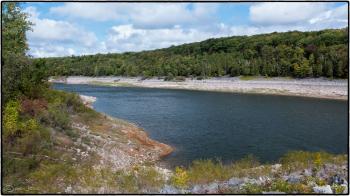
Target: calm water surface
(225,125)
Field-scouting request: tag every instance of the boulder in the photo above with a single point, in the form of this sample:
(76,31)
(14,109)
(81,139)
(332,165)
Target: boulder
(167,189)
(276,167)
(307,172)
(294,178)
(323,189)
(197,189)
(235,181)
(212,188)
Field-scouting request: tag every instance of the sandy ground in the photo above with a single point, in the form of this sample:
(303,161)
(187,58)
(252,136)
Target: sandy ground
(313,87)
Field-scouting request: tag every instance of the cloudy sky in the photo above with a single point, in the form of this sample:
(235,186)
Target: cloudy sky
(63,29)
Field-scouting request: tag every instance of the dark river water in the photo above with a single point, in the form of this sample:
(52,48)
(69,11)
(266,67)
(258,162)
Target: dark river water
(226,126)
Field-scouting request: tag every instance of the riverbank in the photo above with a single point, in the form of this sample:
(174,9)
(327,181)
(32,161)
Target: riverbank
(123,144)
(312,87)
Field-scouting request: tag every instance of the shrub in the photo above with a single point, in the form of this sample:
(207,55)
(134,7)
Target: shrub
(33,107)
(180,178)
(169,77)
(11,114)
(58,116)
(205,171)
(249,188)
(150,179)
(180,79)
(127,182)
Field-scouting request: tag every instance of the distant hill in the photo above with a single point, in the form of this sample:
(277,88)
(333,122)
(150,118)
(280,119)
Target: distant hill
(296,54)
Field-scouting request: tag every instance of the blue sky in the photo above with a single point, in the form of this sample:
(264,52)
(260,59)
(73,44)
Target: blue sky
(71,28)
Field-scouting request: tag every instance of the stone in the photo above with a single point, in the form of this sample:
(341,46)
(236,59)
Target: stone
(307,172)
(68,189)
(294,178)
(212,188)
(197,189)
(336,180)
(323,189)
(167,189)
(276,167)
(235,181)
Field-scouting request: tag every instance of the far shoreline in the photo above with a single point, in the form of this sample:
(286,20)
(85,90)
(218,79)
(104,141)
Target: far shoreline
(324,88)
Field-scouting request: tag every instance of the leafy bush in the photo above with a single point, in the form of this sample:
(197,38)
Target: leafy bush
(180,178)
(11,115)
(180,79)
(169,77)
(205,171)
(127,182)
(249,188)
(295,160)
(149,178)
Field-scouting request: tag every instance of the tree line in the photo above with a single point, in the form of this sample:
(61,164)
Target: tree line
(296,54)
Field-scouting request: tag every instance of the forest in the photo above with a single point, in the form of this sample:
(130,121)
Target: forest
(291,54)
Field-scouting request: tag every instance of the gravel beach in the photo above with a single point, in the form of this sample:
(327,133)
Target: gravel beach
(310,87)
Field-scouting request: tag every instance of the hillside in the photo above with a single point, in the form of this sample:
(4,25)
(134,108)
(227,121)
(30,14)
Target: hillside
(296,54)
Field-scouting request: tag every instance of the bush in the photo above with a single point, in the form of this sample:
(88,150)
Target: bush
(169,77)
(11,115)
(180,79)
(180,178)
(150,179)
(200,78)
(127,182)
(205,171)
(295,160)
(58,116)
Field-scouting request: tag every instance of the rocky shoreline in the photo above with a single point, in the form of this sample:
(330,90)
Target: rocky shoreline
(117,142)
(311,87)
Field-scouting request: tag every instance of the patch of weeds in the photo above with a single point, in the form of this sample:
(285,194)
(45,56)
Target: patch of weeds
(205,171)
(338,189)
(180,178)
(250,188)
(246,78)
(150,179)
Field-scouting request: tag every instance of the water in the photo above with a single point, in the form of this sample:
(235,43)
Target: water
(226,126)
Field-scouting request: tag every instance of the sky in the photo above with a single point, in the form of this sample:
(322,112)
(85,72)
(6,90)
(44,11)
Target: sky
(70,28)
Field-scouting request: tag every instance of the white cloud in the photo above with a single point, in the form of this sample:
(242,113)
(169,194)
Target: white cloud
(279,13)
(141,15)
(311,15)
(333,17)
(128,38)
(56,38)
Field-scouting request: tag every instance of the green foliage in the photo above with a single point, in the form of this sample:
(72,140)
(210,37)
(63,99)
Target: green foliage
(295,160)
(205,171)
(338,189)
(180,178)
(20,75)
(149,178)
(250,188)
(11,115)
(319,53)
(127,182)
